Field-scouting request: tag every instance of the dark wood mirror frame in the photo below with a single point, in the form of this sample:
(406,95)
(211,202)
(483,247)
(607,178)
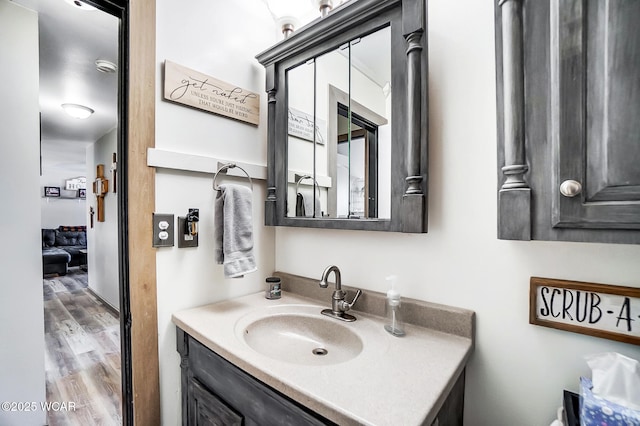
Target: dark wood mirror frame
(409,159)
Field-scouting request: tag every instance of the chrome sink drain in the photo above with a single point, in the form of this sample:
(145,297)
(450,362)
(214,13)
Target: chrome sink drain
(320,351)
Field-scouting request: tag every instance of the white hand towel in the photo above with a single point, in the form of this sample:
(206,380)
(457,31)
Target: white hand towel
(233,229)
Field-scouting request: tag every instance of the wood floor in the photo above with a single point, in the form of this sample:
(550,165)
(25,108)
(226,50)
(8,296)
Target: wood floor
(82,354)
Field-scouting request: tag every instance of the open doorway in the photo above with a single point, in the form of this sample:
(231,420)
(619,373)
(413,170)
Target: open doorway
(22,365)
(78,59)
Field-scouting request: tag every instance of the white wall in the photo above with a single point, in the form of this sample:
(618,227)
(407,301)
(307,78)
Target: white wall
(102,239)
(60,211)
(518,371)
(61,161)
(21,307)
(220,39)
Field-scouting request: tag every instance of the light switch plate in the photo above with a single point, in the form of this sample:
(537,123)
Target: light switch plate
(183,239)
(163,230)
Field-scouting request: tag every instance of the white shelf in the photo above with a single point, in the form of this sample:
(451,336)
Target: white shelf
(64,198)
(174,160)
(199,163)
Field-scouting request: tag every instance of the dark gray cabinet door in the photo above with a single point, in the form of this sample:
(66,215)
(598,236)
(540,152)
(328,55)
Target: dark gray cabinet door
(206,409)
(595,110)
(568,98)
(216,392)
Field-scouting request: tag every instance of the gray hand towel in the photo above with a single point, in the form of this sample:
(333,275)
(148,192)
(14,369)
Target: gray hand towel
(300,205)
(233,229)
(307,199)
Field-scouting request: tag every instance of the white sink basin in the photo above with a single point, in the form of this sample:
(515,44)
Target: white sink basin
(299,334)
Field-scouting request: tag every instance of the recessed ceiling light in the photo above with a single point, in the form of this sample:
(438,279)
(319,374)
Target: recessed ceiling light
(80,5)
(105,66)
(77,111)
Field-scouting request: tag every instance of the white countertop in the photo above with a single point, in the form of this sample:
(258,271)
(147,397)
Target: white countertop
(392,381)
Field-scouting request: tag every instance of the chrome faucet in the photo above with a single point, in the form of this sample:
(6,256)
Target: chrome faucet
(339,306)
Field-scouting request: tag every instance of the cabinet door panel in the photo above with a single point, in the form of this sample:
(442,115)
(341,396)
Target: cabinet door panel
(256,402)
(595,112)
(613,101)
(208,410)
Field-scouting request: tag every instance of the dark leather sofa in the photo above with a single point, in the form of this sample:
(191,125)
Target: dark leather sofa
(61,248)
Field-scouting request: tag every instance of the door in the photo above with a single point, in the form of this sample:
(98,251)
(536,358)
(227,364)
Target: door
(595,98)
(206,409)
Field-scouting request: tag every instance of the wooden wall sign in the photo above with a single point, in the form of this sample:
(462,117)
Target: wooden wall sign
(607,311)
(189,87)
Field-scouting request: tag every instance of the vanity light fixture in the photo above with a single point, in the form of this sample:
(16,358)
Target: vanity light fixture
(80,5)
(105,66)
(77,111)
(288,14)
(325,7)
(288,26)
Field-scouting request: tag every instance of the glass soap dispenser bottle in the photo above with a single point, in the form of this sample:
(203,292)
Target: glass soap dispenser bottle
(393,324)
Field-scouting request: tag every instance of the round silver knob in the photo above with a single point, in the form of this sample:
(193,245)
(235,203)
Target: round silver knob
(570,188)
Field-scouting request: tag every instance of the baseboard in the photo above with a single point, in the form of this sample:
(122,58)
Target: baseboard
(108,305)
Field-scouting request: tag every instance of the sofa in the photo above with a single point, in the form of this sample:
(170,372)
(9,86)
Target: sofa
(61,248)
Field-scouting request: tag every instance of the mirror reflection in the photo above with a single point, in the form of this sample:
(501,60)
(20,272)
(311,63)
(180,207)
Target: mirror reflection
(339,132)
(301,200)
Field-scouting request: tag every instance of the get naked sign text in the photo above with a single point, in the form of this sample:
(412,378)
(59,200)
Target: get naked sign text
(612,312)
(189,87)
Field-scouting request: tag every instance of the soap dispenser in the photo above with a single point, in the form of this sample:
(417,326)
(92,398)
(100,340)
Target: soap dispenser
(393,323)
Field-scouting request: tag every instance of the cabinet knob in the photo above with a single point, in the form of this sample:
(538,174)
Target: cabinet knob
(570,188)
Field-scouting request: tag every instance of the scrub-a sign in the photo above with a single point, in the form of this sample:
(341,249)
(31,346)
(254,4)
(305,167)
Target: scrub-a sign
(611,312)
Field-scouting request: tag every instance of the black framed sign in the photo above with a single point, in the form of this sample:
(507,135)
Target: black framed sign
(51,191)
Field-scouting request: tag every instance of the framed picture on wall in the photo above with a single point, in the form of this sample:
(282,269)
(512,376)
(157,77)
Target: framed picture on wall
(82,193)
(51,191)
(79,182)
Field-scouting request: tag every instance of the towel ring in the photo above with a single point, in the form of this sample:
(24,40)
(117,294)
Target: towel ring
(224,168)
(303,177)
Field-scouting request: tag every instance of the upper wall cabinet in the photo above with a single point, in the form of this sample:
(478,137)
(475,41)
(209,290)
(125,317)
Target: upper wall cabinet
(347,118)
(569,120)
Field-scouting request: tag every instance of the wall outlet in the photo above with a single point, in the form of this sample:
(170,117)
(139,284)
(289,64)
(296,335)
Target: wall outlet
(185,240)
(163,230)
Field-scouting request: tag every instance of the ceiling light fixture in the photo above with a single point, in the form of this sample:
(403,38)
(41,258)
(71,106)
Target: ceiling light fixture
(77,111)
(105,66)
(80,5)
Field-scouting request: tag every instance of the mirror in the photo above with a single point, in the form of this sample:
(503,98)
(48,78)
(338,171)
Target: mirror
(342,168)
(303,200)
(347,148)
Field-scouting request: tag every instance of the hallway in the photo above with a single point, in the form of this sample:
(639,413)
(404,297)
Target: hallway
(82,354)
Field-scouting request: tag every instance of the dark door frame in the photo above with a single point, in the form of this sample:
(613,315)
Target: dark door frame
(136,132)
(119,9)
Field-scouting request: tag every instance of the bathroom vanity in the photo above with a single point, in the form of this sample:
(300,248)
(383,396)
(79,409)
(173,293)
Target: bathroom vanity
(251,360)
